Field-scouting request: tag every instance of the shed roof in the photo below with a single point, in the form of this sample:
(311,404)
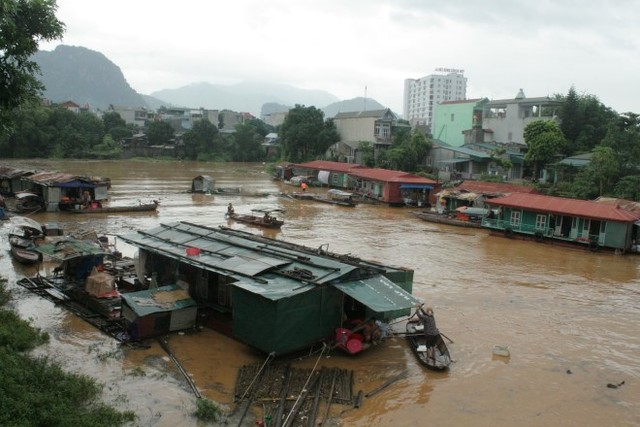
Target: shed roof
(329,166)
(494,188)
(158,300)
(387,175)
(565,206)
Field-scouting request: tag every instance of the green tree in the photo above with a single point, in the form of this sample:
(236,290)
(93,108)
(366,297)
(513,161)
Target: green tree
(585,121)
(23,25)
(247,143)
(544,141)
(368,153)
(200,141)
(628,188)
(159,133)
(30,136)
(624,138)
(304,135)
(604,168)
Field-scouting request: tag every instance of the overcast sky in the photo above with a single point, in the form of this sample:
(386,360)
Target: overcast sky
(343,46)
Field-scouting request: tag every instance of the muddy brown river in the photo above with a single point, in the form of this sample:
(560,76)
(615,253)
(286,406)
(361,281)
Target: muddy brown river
(570,318)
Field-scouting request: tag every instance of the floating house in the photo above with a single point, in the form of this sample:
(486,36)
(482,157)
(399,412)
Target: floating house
(474,193)
(11,180)
(395,188)
(57,188)
(571,221)
(203,184)
(272,295)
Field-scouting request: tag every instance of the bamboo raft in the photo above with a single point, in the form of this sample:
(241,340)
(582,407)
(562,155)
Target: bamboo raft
(291,396)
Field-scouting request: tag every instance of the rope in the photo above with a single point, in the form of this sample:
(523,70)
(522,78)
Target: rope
(271,355)
(304,387)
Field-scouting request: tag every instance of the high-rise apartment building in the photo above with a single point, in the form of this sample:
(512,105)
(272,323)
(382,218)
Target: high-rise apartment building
(422,95)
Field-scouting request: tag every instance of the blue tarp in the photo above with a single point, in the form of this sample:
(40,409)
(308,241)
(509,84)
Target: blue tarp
(416,186)
(75,184)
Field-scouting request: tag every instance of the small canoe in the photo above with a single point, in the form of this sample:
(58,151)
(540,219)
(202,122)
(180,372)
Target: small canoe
(416,340)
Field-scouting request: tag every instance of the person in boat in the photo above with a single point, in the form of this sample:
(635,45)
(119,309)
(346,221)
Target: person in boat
(303,186)
(431,331)
(266,218)
(230,210)
(86,199)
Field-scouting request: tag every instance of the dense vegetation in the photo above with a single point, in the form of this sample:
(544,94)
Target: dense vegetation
(37,392)
(611,140)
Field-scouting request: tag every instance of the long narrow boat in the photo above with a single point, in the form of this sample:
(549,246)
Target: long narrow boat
(266,219)
(416,340)
(142,207)
(333,197)
(445,219)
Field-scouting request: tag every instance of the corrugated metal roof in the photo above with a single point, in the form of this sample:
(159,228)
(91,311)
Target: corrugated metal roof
(11,172)
(498,188)
(379,294)
(329,166)
(565,206)
(230,253)
(387,175)
(158,300)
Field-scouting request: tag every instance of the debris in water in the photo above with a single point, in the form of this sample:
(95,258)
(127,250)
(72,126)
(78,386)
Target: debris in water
(501,350)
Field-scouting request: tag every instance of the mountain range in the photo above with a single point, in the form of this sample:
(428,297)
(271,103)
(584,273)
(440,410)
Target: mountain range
(87,77)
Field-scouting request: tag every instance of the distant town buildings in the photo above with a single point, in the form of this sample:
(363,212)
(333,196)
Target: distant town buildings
(423,94)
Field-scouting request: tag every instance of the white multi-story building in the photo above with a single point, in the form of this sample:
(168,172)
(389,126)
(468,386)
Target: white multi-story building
(422,95)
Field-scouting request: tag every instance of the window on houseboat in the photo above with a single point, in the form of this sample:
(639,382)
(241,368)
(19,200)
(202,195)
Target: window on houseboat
(515,218)
(541,222)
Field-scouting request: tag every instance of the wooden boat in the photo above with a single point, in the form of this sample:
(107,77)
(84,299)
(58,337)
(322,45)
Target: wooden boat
(416,340)
(333,197)
(95,208)
(23,236)
(28,203)
(446,219)
(260,217)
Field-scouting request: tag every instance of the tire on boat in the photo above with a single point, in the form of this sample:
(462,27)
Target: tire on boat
(508,232)
(539,236)
(593,245)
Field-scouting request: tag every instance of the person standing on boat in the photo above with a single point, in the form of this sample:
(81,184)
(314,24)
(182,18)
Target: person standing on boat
(431,331)
(230,209)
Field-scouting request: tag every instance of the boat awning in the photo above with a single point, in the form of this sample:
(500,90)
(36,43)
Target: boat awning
(379,294)
(416,187)
(74,184)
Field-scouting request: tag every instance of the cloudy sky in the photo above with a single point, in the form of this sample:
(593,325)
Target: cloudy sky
(343,46)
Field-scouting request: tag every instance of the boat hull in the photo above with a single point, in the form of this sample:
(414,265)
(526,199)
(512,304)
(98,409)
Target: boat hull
(416,340)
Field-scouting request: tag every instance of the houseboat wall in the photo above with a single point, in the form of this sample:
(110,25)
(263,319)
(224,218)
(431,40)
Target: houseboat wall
(156,324)
(570,229)
(286,324)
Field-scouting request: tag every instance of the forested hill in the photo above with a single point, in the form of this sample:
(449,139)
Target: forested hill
(84,76)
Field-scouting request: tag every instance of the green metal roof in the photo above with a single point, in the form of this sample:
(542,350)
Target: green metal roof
(271,268)
(158,300)
(379,294)
(226,252)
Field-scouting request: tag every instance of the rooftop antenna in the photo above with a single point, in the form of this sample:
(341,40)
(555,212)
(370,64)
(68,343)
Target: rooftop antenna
(365,98)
